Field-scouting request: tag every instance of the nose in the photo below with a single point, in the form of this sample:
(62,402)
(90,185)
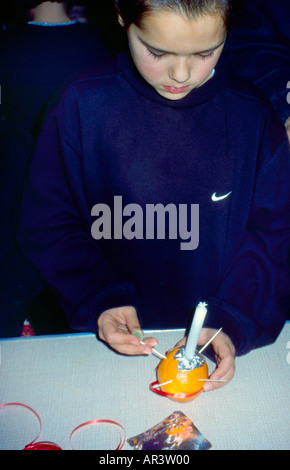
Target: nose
(180,70)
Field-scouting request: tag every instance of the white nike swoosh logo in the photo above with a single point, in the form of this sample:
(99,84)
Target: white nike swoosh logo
(219,198)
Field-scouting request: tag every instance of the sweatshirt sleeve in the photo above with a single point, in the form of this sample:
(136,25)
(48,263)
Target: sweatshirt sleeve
(54,227)
(279,16)
(251,299)
(258,49)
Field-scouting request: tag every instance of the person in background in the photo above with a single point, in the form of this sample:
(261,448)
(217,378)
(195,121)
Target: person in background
(36,58)
(258,49)
(39,56)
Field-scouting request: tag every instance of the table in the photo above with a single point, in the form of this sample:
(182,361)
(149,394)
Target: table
(71,379)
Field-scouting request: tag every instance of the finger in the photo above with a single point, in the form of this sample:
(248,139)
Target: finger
(225,359)
(150,341)
(180,343)
(130,319)
(116,321)
(116,334)
(205,335)
(130,345)
(130,350)
(119,337)
(125,343)
(225,371)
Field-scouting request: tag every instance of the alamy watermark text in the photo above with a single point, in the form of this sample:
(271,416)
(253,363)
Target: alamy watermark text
(156,221)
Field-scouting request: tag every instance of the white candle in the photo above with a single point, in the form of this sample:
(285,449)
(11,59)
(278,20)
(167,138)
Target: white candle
(196,326)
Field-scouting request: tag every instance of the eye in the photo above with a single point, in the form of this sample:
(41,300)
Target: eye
(153,54)
(206,56)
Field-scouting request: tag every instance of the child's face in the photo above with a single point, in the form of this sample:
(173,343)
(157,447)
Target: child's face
(175,54)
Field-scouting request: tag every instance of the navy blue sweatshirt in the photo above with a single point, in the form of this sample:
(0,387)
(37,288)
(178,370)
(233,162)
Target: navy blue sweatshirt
(112,135)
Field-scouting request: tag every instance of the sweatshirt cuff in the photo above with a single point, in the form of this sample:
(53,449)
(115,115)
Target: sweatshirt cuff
(222,315)
(120,295)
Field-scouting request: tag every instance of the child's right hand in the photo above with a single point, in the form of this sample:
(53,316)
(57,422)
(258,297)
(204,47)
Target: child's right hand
(115,327)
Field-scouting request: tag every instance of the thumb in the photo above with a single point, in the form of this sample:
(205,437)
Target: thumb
(132,321)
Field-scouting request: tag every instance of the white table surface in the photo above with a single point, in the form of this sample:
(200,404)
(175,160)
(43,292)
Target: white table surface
(71,379)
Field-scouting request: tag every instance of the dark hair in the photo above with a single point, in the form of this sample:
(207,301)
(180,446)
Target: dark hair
(133,11)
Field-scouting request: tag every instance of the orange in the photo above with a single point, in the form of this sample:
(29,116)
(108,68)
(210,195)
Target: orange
(185,383)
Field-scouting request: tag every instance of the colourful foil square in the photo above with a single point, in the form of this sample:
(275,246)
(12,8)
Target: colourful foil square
(176,432)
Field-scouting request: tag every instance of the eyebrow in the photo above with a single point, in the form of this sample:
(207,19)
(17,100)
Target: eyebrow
(174,53)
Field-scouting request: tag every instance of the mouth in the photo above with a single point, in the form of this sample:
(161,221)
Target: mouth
(175,90)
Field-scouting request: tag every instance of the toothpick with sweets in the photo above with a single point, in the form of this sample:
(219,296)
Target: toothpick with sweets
(138,333)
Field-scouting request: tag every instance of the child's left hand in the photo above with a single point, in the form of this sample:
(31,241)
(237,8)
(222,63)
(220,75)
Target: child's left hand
(224,353)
